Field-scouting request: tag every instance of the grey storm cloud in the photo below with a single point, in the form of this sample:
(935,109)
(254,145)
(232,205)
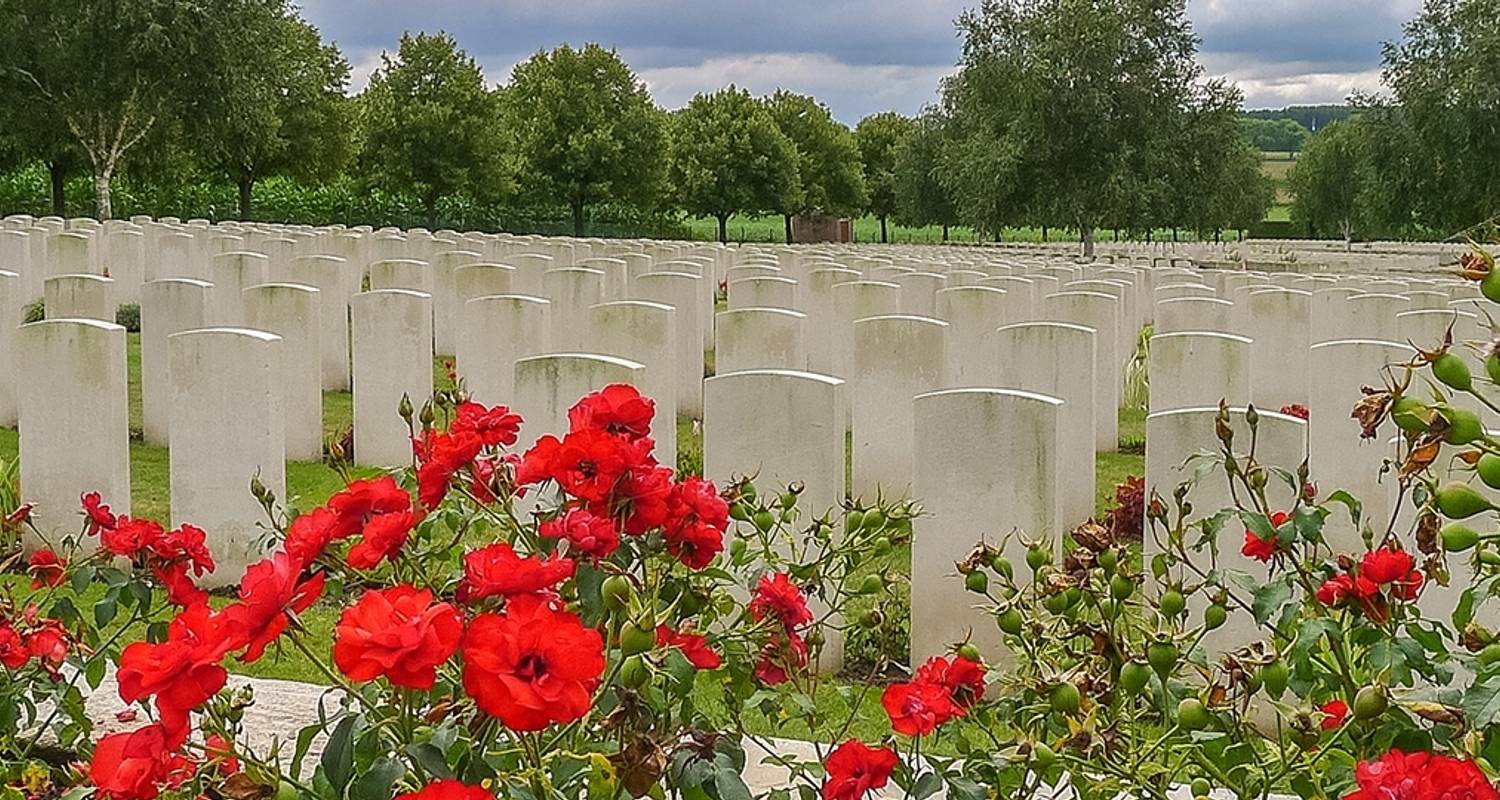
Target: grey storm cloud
(858,57)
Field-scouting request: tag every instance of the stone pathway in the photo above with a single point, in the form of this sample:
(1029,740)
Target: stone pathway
(282,708)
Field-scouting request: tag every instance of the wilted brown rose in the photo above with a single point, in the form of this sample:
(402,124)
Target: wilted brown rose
(1371,409)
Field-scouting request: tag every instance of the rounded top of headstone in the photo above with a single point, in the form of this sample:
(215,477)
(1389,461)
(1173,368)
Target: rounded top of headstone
(1204,335)
(1047,324)
(248,333)
(991,392)
(828,380)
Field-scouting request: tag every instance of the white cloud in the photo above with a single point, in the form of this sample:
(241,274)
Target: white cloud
(852,91)
(1274,84)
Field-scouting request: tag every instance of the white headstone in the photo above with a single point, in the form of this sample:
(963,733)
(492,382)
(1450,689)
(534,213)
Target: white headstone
(290,310)
(681,291)
(988,468)
(493,332)
(1338,458)
(760,338)
(392,343)
(572,291)
(896,358)
(548,385)
(74,426)
(80,296)
(233,273)
(226,429)
(1056,359)
(336,282)
(645,333)
(1099,312)
(1194,369)
(1277,321)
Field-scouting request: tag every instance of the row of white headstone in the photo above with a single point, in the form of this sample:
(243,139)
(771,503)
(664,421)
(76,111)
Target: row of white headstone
(982,386)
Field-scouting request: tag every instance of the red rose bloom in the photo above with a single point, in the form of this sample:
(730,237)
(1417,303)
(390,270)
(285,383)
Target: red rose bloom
(1258,548)
(360,500)
(616,409)
(187,545)
(586,532)
(641,496)
(497,570)
(1420,776)
(399,633)
(1390,566)
(696,520)
(220,751)
(961,678)
(536,463)
(776,596)
(13,652)
(1336,590)
(136,765)
(785,654)
(856,769)
(532,665)
(493,426)
(48,643)
(1263,549)
(384,536)
(441,456)
(1334,714)
(448,789)
(182,672)
(1386,565)
(309,535)
(269,593)
(917,708)
(47,569)
(100,517)
(130,536)
(693,646)
(588,464)
(181,591)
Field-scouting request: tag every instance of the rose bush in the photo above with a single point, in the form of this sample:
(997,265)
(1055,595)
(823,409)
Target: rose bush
(568,620)
(1328,674)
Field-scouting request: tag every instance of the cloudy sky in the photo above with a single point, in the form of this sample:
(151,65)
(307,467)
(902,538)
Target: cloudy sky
(858,57)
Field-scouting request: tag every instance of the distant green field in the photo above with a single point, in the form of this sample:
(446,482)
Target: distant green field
(1277,166)
(770,230)
(866,229)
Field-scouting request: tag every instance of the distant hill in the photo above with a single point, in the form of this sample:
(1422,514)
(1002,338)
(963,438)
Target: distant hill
(1313,118)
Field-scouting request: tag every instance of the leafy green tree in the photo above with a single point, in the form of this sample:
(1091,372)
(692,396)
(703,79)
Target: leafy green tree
(103,74)
(31,133)
(1444,73)
(431,125)
(1073,100)
(279,107)
(728,157)
(1275,135)
(586,130)
(1313,118)
(1327,180)
(1215,173)
(830,177)
(878,135)
(921,197)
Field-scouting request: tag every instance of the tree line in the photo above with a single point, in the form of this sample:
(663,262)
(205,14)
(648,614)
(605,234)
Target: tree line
(1090,115)
(1421,159)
